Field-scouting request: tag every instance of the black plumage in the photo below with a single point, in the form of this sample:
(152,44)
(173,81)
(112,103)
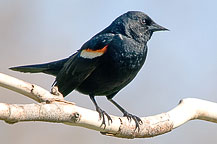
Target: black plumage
(106,63)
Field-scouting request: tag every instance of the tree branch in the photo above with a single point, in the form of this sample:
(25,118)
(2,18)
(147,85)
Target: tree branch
(52,108)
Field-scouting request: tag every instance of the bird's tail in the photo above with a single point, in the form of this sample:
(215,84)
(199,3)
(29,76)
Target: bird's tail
(51,68)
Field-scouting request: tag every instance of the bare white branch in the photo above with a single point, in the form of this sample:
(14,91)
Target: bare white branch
(30,90)
(53,108)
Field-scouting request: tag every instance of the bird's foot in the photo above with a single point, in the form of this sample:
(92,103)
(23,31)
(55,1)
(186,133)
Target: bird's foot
(135,118)
(102,115)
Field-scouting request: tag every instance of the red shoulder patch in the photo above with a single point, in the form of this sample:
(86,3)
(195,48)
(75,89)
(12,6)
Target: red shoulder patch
(103,50)
(89,53)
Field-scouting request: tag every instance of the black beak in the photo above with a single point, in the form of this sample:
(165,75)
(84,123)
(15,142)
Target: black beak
(155,27)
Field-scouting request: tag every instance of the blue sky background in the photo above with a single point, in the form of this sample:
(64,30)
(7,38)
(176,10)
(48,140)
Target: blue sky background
(181,63)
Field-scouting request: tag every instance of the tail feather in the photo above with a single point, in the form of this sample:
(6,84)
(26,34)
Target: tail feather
(51,68)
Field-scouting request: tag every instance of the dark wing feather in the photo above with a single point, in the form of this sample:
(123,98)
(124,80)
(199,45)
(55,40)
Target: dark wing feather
(78,68)
(73,73)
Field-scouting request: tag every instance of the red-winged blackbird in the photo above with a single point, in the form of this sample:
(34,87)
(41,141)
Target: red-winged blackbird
(106,63)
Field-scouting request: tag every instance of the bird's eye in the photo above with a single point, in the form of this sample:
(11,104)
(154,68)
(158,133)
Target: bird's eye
(144,21)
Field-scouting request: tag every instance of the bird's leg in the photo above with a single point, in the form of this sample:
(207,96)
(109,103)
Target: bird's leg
(101,112)
(128,115)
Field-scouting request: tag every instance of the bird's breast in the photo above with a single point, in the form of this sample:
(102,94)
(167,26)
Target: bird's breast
(128,57)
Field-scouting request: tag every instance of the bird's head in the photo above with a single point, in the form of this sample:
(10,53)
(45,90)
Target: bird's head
(137,25)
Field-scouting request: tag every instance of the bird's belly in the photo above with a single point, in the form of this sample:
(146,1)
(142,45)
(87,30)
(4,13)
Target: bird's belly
(104,84)
(108,79)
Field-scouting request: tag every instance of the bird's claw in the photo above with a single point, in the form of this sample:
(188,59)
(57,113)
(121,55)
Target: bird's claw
(102,115)
(135,118)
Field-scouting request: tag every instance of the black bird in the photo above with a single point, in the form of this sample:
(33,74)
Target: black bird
(106,63)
